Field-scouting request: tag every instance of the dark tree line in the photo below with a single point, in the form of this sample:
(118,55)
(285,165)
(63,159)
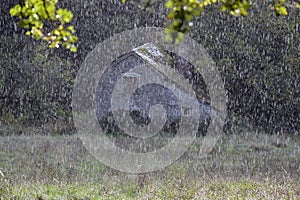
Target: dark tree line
(258,57)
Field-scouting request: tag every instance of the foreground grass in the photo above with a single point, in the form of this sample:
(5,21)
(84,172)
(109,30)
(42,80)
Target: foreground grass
(246,166)
(171,189)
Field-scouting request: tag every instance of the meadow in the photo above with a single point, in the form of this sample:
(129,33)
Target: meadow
(248,165)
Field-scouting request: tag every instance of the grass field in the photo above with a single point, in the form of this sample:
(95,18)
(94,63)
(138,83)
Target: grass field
(245,166)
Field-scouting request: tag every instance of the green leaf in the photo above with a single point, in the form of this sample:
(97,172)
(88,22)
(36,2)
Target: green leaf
(71,29)
(73,49)
(281,10)
(169,4)
(64,15)
(15,11)
(51,10)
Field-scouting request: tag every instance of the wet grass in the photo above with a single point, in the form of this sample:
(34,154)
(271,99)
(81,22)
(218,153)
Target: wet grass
(245,166)
(213,189)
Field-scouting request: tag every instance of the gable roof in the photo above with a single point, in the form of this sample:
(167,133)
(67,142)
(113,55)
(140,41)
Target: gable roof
(161,62)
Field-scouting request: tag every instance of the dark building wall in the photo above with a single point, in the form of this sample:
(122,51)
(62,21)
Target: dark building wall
(145,96)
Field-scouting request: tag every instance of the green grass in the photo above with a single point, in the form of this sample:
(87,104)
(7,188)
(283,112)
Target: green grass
(247,166)
(163,189)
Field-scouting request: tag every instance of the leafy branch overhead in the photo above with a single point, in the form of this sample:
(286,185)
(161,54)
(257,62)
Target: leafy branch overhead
(181,12)
(35,13)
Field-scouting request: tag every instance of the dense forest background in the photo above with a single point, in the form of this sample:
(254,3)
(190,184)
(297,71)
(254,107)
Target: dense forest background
(258,57)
